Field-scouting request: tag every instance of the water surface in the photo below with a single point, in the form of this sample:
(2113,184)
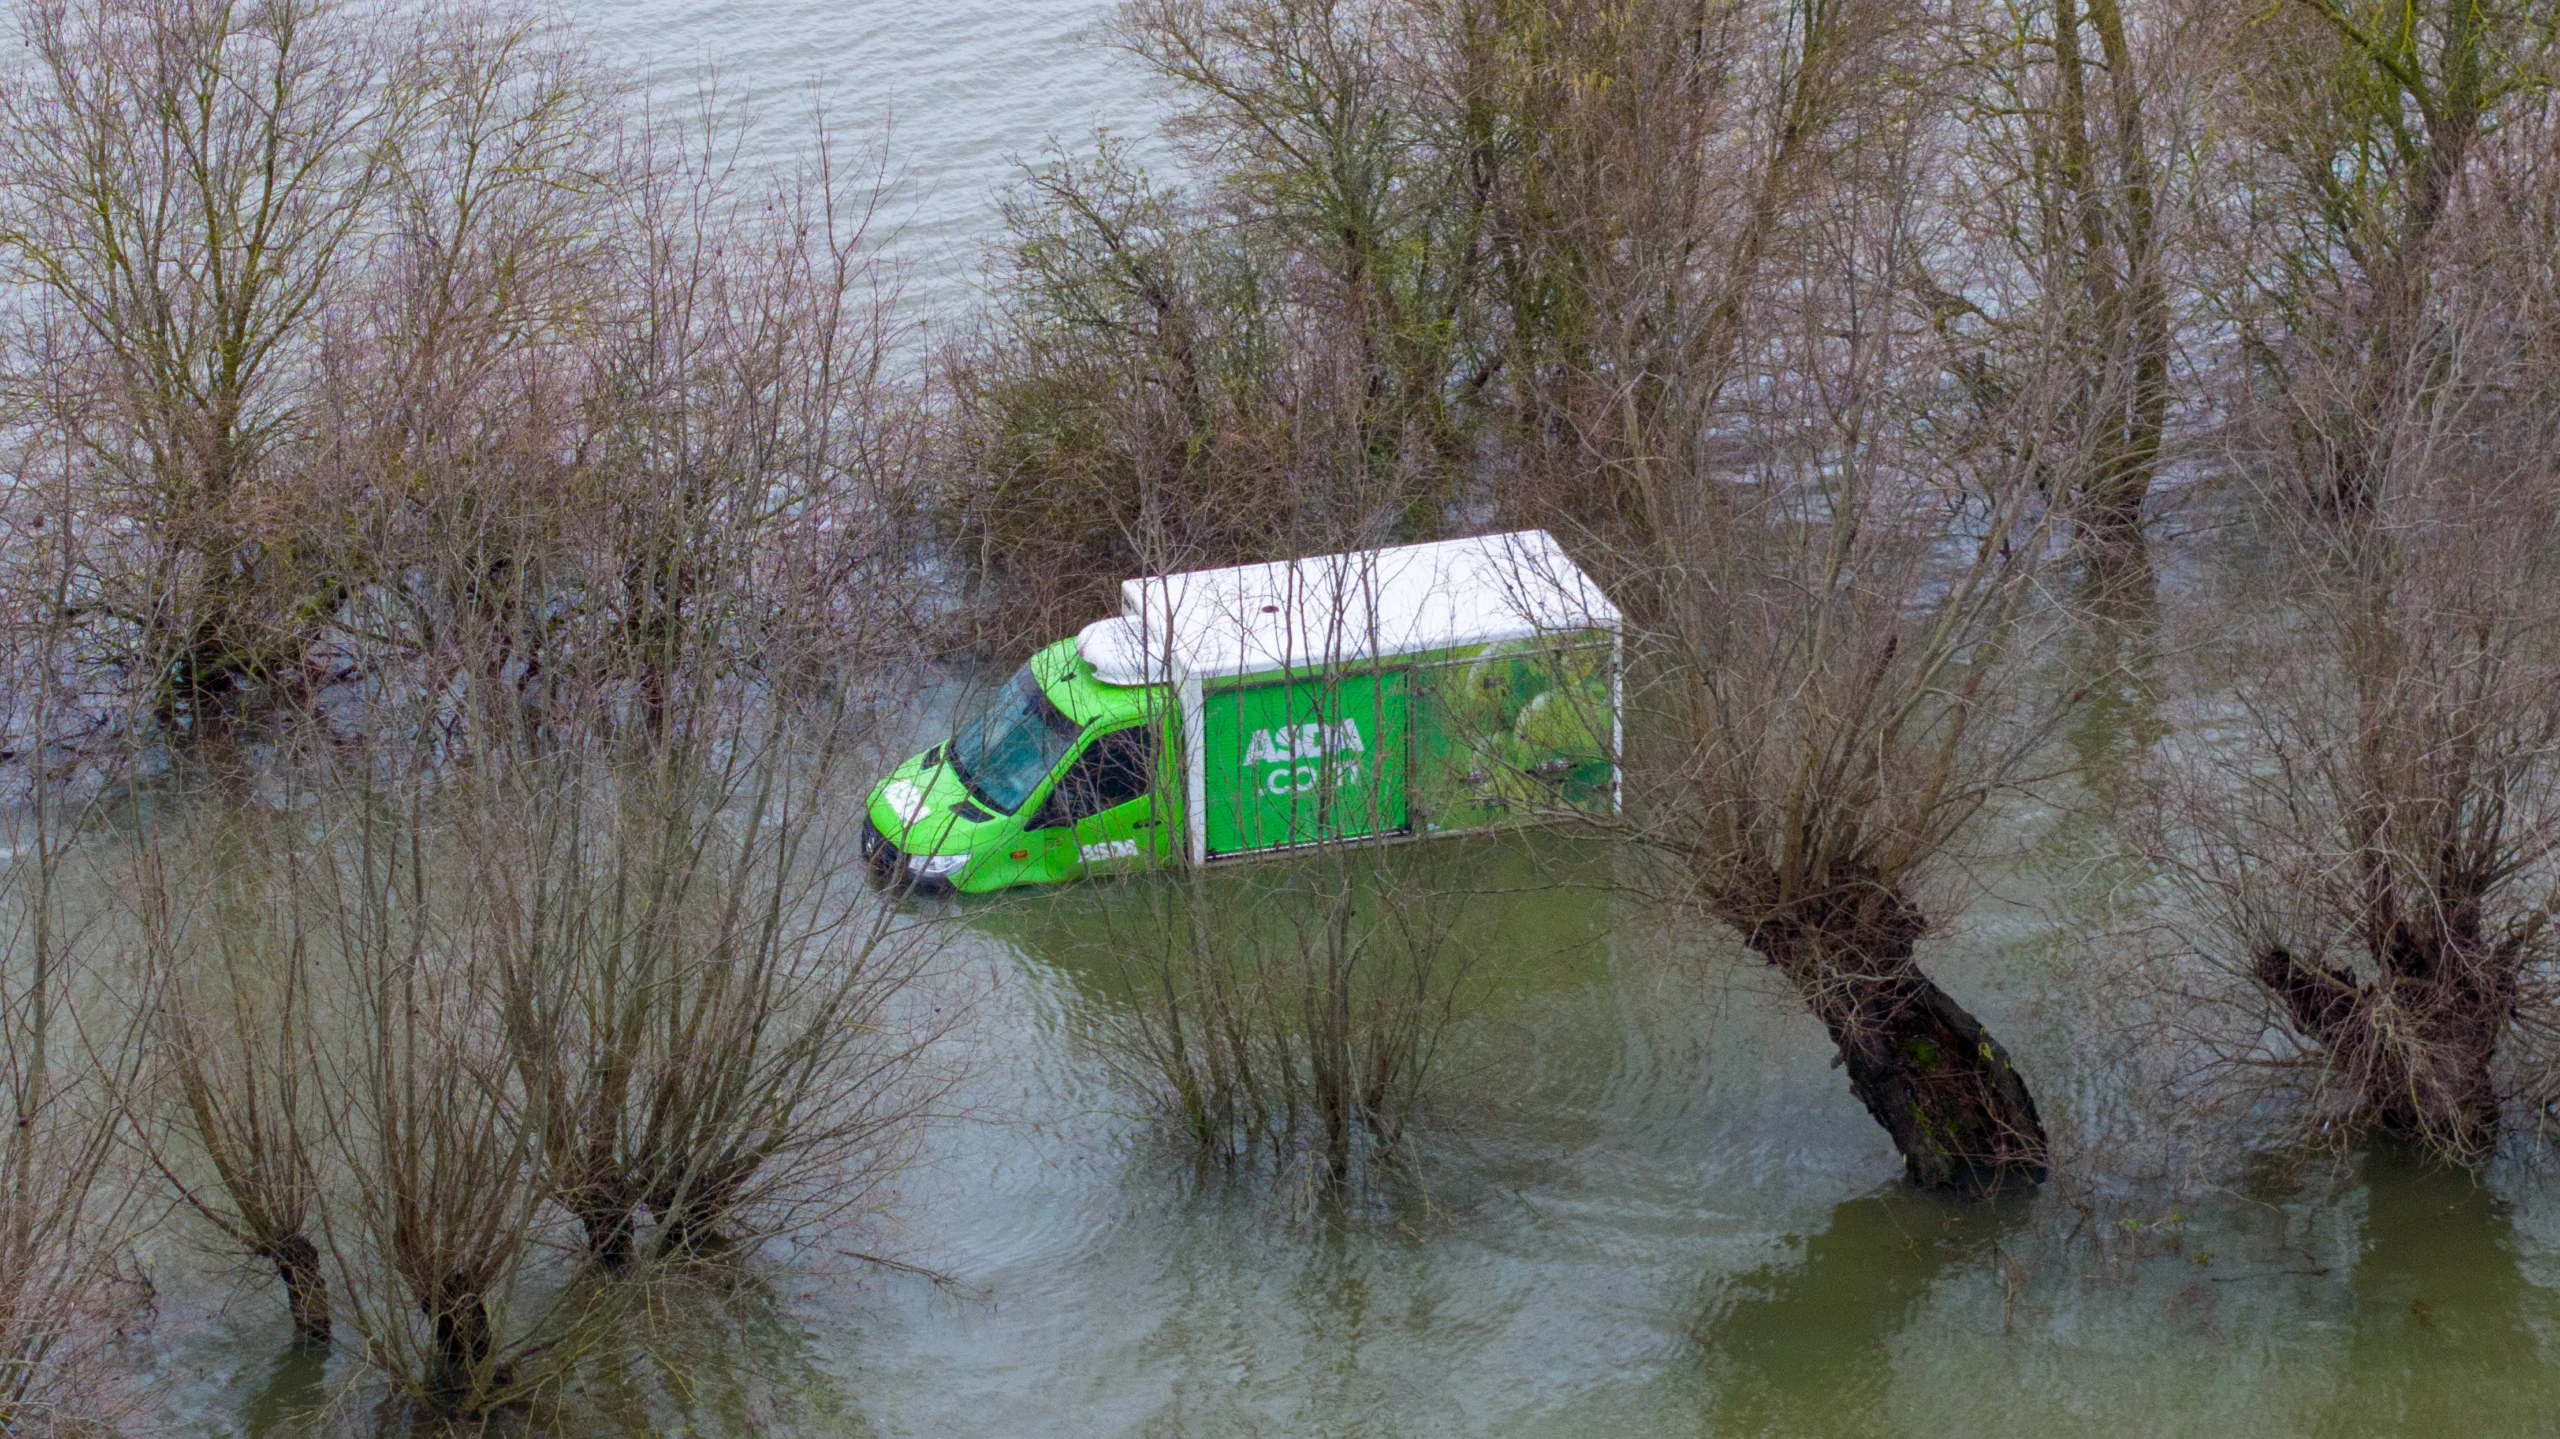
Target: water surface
(1647,1206)
(965,91)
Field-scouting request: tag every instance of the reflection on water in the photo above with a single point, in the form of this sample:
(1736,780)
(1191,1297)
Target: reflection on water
(1804,1345)
(2449,1338)
(2116,666)
(293,1395)
(709,1358)
(1904,1314)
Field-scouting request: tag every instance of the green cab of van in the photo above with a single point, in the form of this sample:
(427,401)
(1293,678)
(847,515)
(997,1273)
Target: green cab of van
(1054,777)
(1419,690)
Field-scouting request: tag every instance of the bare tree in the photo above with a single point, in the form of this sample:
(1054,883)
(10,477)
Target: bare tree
(1649,157)
(448,434)
(228,951)
(750,463)
(1844,659)
(2361,124)
(712,1016)
(1133,388)
(1326,140)
(65,1053)
(436,1207)
(2374,859)
(2070,169)
(183,183)
(62,1202)
(1290,1015)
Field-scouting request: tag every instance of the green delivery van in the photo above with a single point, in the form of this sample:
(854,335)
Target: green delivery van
(1398,693)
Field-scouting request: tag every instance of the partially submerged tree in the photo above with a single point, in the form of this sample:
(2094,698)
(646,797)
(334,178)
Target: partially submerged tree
(182,186)
(1839,699)
(1842,664)
(426,1028)
(1290,1016)
(1333,153)
(2076,191)
(1643,161)
(2376,859)
(64,1055)
(1133,392)
(438,1202)
(228,950)
(525,935)
(2363,125)
(710,1016)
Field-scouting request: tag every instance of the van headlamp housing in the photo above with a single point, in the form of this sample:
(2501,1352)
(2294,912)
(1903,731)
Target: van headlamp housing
(936,866)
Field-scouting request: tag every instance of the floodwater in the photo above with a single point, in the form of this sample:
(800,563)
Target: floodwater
(1647,1204)
(966,91)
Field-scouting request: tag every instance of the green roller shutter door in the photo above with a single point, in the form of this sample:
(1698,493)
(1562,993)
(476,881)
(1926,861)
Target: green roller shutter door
(1300,762)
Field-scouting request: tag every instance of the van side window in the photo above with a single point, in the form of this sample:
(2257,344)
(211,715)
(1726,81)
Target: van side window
(1113,770)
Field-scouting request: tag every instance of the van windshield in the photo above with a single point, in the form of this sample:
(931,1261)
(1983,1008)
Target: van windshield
(1004,753)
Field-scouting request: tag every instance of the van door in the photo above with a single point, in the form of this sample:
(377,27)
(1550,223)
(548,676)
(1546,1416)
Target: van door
(1304,761)
(1102,800)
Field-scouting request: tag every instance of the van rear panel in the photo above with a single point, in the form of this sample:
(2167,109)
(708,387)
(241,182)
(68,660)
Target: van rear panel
(1514,733)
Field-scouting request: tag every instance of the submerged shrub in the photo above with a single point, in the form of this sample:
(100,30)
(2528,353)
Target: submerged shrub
(438,1039)
(1291,1014)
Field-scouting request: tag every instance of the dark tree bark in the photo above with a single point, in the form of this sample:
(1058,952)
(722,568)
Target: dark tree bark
(1957,1110)
(306,1289)
(2114,220)
(2419,1041)
(694,1204)
(607,1222)
(458,1324)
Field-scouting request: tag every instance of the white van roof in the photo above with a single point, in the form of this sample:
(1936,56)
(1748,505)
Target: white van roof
(1348,608)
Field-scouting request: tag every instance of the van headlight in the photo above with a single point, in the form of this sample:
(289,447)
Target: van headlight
(936,866)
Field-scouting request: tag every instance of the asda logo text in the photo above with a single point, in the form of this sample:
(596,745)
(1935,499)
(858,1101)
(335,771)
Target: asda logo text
(1297,756)
(1303,741)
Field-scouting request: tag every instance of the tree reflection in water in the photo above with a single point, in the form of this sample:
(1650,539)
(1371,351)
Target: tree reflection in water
(2444,1338)
(1803,1346)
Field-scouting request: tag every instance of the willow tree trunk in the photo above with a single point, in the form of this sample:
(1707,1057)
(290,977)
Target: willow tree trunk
(1957,1110)
(460,1342)
(296,1261)
(2418,1043)
(606,1216)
